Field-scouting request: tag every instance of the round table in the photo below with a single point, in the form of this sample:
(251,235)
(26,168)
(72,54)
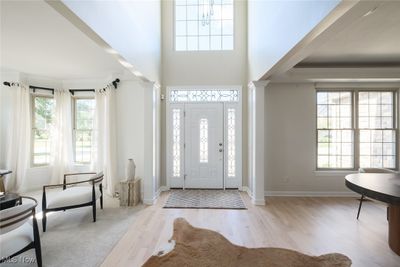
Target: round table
(384,187)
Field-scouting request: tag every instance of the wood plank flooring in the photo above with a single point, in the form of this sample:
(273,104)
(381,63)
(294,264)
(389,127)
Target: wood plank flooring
(311,225)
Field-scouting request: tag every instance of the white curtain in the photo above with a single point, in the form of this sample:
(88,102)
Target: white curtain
(18,138)
(104,154)
(62,155)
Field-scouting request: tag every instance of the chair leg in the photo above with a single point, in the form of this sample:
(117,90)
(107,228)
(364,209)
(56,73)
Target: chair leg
(359,207)
(101,201)
(94,211)
(38,250)
(44,221)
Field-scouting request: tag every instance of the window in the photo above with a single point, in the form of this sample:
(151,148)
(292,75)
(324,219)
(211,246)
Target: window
(203,140)
(203,25)
(356,128)
(83,129)
(204,96)
(43,117)
(176,147)
(231,133)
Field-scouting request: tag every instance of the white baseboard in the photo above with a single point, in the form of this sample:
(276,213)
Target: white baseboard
(258,202)
(163,188)
(310,194)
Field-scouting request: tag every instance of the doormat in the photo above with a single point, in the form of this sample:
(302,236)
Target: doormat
(205,199)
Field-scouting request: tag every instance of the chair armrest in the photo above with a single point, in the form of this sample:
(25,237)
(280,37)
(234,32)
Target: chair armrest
(74,174)
(17,215)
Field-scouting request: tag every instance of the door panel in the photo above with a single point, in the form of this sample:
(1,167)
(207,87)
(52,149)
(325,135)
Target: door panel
(204,156)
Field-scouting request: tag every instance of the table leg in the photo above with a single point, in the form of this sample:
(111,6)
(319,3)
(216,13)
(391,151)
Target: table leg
(394,228)
(2,189)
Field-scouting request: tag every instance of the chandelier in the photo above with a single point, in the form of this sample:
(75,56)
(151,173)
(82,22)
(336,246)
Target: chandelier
(208,12)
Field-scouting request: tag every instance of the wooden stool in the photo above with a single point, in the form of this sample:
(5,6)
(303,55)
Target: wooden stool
(129,194)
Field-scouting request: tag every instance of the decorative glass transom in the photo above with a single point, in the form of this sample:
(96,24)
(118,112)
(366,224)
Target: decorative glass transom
(204,96)
(176,147)
(231,143)
(203,140)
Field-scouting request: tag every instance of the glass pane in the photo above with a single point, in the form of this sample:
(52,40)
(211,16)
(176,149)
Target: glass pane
(231,143)
(180,43)
(192,12)
(204,43)
(193,27)
(176,147)
(216,42)
(216,28)
(204,96)
(203,140)
(180,12)
(227,27)
(180,28)
(227,42)
(193,43)
(227,12)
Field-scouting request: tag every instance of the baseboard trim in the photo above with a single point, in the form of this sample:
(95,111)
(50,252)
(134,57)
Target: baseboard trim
(163,188)
(310,194)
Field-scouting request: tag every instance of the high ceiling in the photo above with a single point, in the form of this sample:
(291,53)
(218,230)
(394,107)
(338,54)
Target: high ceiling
(36,40)
(372,40)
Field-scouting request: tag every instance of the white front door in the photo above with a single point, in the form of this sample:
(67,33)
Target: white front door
(204,156)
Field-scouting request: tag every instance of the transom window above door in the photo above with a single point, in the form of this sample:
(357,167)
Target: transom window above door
(203,25)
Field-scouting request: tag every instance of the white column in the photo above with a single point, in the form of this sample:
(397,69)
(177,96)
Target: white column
(151,143)
(257,141)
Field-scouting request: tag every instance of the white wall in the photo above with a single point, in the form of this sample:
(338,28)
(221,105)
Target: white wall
(182,68)
(275,27)
(132,28)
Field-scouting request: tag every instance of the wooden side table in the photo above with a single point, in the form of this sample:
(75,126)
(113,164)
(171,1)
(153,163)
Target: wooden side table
(129,194)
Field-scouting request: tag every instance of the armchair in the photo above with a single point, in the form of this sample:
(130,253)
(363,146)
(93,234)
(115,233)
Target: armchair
(16,232)
(73,195)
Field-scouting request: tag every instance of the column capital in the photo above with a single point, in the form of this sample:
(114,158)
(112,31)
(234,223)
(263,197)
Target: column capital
(258,84)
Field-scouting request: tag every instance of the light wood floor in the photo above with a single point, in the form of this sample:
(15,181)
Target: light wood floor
(311,225)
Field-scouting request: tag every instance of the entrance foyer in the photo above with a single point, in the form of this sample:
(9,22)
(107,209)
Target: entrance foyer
(204,138)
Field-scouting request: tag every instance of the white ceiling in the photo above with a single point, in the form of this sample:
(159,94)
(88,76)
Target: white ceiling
(36,40)
(372,40)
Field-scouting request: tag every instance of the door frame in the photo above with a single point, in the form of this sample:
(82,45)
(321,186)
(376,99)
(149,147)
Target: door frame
(228,182)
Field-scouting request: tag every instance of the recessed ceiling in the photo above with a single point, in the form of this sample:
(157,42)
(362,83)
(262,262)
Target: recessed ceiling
(36,40)
(372,40)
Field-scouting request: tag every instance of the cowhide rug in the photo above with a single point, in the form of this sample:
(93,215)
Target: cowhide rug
(201,247)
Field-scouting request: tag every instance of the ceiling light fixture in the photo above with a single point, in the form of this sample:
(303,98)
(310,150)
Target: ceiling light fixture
(208,12)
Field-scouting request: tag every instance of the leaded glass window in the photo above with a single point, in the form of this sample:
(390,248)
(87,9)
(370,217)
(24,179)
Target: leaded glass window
(203,140)
(231,143)
(176,147)
(204,96)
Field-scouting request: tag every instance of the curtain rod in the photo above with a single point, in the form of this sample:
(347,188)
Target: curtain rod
(41,88)
(114,83)
(72,91)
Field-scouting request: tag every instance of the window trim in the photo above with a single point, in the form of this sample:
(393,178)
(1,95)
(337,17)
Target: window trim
(356,140)
(73,113)
(33,128)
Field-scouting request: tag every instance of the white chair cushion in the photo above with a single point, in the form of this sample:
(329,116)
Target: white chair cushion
(15,240)
(72,196)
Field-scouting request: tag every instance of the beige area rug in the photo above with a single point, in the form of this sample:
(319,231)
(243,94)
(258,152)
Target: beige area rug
(201,247)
